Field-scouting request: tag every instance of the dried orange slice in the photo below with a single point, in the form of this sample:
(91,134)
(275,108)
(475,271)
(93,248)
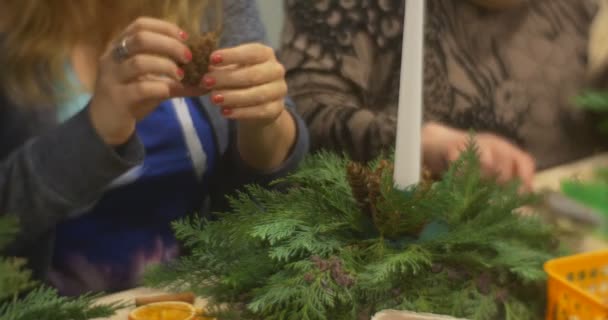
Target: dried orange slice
(167,311)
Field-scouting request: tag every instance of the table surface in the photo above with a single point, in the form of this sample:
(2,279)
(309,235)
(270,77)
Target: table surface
(546,180)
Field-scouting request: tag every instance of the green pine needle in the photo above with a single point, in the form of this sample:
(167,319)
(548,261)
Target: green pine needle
(592,100)
(38,303)
(44,303)
(8,230)
(311,253)
(13,278)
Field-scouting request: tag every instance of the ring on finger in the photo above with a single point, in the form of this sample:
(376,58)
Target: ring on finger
(121,51)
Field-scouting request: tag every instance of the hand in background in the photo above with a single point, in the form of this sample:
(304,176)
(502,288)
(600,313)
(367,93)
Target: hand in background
(499,158)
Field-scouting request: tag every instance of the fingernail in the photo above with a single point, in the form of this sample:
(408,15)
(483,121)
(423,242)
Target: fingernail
(218,98)
(188,55)
(217,59)
(180,73)
(208,82)
(227,112)
(183,35)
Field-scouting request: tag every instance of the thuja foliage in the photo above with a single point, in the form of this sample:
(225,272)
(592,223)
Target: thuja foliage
(22,299)
(13,278)
(342,243)
(596,102)
(593,193)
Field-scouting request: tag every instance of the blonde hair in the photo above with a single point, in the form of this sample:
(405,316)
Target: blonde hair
(40,34)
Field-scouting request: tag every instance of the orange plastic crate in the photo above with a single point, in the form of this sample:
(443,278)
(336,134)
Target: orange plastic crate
(577,287)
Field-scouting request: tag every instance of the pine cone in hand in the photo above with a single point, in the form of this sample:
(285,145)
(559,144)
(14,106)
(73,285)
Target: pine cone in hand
(201,46)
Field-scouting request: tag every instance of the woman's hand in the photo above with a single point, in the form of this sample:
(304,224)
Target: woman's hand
(136,73)
(248,83)
(499,157)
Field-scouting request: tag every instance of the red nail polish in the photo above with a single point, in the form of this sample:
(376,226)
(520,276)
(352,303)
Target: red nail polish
(180,73)
(188,55)
(208,82)
(183,35)
(218,98)
(227,112)
(217,59)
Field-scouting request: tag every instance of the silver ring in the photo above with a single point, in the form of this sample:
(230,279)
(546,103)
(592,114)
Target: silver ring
(121,52)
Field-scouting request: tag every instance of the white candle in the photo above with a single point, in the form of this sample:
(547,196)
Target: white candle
(408,158)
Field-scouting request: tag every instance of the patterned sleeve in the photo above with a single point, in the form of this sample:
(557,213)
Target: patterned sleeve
(343,62)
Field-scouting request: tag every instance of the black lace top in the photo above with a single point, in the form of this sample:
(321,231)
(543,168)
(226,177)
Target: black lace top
(513,72)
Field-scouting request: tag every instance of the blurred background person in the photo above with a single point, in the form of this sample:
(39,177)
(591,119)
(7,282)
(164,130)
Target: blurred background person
(506,68)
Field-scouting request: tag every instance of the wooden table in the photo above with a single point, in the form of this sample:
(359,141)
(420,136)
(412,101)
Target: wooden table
(549,179)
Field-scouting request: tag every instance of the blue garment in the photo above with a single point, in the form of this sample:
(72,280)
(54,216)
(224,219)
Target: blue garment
(107,247)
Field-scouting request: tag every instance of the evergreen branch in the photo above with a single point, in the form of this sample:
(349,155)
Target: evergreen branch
(593,100)
(277,230)
(517,310)
(411,261)
(8,230)
(39,303)
(13,278)
(313,253)
(303,244)
(44,303)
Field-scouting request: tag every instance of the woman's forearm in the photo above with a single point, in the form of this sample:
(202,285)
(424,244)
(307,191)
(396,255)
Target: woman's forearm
(267,147)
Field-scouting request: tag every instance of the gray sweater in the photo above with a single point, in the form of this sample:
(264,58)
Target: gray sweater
(49,170)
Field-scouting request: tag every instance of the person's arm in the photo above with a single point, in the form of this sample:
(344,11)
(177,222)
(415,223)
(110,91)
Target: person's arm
(337,118)
(243,26)
(58,172)
(344,85)
(248,84)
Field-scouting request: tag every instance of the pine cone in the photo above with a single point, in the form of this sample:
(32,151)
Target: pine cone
(336,271)
(357,176)
(201,46)
(340,276)
(321,264)
(375,181)
(373,187)
(374,184)
(383,166)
